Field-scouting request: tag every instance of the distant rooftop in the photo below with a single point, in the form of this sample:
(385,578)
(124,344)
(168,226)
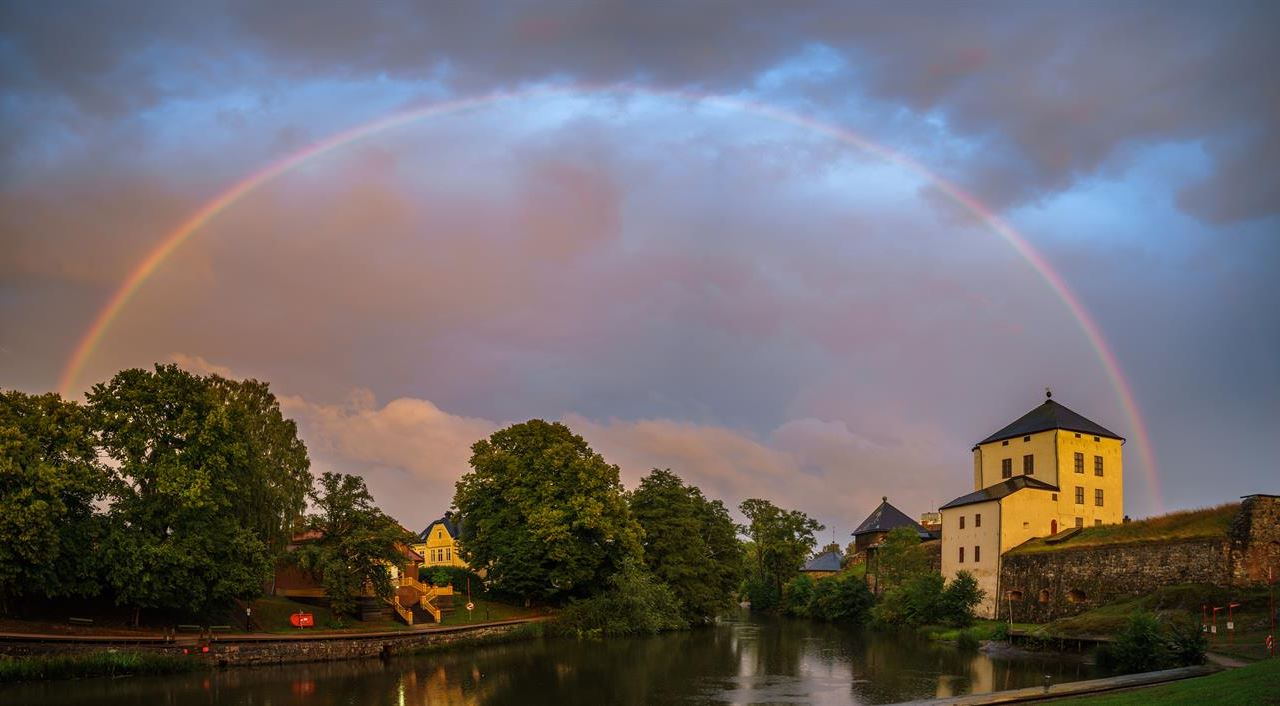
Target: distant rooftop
(1050,415)
(886,518)
(826,561)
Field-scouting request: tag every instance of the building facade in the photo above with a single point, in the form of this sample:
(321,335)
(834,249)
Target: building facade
(438,544)
(1050,472)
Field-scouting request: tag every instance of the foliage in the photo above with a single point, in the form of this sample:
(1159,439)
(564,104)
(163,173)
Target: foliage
(1001,632)
(1144,645)
(1138,647)
(762,594)
(781,540)
(93,664)
(843,598)
(636,603)
(922,599)
(459,577)
(959,599)
(355,542)
(898,559)
(690,543)
(185,529)
(50,479)
(967,640)
(544,515)
(797,596)
(439,576)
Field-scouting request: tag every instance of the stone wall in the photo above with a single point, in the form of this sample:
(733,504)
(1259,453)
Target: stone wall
(1042,586)
(235,651)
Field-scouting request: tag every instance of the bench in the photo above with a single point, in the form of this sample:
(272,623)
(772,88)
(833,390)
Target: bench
(190,628)
(219,628)
(80,621)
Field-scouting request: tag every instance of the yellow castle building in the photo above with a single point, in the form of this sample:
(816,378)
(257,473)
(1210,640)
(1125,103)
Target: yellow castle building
(1050,472)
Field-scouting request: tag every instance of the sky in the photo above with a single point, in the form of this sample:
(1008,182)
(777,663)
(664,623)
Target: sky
(715,237)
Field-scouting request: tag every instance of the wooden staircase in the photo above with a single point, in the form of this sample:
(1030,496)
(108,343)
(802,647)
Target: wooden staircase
(424,601)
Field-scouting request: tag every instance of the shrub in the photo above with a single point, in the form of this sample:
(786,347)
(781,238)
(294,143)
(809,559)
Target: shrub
(959,599)
(966,640)
(762,594)
(1187,643)
(635,604)
(797,596)
(843,598)
(1138,647)
(1000,632)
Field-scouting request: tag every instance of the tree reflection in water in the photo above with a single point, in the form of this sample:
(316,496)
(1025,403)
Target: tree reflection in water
(745,659)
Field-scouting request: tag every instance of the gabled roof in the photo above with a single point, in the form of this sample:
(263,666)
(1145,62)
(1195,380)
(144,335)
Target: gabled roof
(886,518)
(449,526)
(826,561)
(1046,416)
(999,490)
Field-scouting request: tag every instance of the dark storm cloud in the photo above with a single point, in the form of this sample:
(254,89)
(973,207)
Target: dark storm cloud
(1045,94)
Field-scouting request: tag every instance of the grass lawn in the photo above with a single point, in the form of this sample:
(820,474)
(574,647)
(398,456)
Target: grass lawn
(1207,522)
(1255,684)
(980,630)
(271,614)
(486,611)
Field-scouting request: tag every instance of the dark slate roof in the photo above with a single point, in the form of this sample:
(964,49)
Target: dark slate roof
(999,490)
(886,518)
(1046,416)
(826,561)
(449,526)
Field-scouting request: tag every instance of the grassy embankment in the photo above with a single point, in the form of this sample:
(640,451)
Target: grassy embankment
(1188,524)
(96,664)
(486,611)
(271,614)
(980,630)
(1255,684)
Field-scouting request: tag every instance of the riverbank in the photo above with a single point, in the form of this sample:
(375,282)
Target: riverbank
(25,657)
(1257,683)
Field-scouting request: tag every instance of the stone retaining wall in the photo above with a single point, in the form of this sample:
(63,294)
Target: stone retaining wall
(1055,584)
(233,651)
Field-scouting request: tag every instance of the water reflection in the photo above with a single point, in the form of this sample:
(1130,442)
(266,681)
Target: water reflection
(745,660)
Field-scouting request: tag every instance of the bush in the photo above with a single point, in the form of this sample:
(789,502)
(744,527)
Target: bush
(1187,643)
(635,604)
(762,594)
(94,664)
(1000,632)
(1138,647)
(455,576)
(843,598)
(966,640)
(959,599)
(797,596)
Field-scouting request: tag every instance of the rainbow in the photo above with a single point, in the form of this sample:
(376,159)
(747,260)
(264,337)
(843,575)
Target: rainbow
(173,240)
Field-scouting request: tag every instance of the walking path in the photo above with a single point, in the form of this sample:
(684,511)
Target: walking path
(1076,688)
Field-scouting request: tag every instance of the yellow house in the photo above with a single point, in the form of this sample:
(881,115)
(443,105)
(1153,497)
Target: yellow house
(1052,471)
(438,543)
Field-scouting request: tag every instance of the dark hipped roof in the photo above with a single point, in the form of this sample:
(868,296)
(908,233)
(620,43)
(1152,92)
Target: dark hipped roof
(826,561)
(999,490)
(886,518)
(449,526)
(1046,416)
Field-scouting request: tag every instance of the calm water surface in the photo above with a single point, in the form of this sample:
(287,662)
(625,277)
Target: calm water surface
(743,660)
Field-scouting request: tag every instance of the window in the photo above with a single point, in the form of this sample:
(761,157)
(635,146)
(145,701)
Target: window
(448,554)
(1097,523)
(440,534)
(1004,443)
(1026,525)
(1096,439)
(1076,596)
(1055,497)
(1077,436)
(1079,495)
(1097,465)
(1006,468)
(977,519)
(1097,497)
(1079,522)
(1026,438)
(977,554)
(1079,462)
(962,522)
(1028,464)
(961,555)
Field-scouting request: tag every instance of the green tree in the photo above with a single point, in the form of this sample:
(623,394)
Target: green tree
(690,543)
(636,603)
(898,559)
(355,545)
(782,539)
(50,479)
(543,514)
(175,536)
(959,598)
(843,598)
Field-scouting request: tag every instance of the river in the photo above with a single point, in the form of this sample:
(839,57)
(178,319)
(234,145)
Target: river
(743,660)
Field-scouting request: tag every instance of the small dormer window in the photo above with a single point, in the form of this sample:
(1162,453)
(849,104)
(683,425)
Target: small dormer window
(1096,439)
(1026,438)
(1004,443)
